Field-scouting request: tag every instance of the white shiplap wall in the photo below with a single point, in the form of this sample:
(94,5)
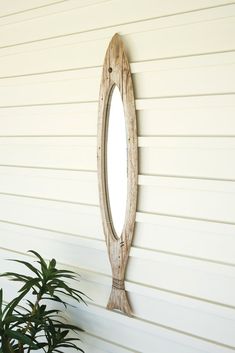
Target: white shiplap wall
(181,276)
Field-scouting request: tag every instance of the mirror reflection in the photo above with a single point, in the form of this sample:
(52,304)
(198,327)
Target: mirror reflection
(116,161)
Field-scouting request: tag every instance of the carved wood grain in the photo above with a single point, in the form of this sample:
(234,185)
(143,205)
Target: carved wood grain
(116,71)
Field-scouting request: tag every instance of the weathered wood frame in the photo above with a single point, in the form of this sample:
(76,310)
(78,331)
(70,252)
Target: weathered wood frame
(116,71)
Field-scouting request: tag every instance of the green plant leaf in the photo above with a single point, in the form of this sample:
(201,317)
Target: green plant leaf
(41,261)
(16,276)
(1,299)
(24,339)
(9,308)
(52,264)
(30,266)
(30,283)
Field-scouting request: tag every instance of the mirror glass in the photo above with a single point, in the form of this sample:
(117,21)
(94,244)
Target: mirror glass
(116,161)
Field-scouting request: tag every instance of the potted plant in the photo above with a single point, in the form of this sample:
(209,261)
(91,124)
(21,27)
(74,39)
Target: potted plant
(26,323)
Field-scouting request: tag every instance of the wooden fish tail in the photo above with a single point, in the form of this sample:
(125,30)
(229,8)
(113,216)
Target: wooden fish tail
(118,298)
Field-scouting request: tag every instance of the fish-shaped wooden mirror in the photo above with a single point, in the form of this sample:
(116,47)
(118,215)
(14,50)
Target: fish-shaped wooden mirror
(117,166)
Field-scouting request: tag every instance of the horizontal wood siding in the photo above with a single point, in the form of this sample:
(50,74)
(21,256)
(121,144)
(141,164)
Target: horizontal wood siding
(180,277)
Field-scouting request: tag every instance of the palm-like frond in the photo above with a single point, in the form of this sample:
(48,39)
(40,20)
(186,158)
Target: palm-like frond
(26,328)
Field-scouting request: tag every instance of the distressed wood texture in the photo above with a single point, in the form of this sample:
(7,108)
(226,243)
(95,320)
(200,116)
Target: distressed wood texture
(116,71)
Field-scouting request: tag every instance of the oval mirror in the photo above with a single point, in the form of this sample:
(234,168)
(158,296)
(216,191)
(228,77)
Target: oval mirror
(116,161)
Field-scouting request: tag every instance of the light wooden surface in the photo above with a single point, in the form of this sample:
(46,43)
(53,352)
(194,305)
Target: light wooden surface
(116,72)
